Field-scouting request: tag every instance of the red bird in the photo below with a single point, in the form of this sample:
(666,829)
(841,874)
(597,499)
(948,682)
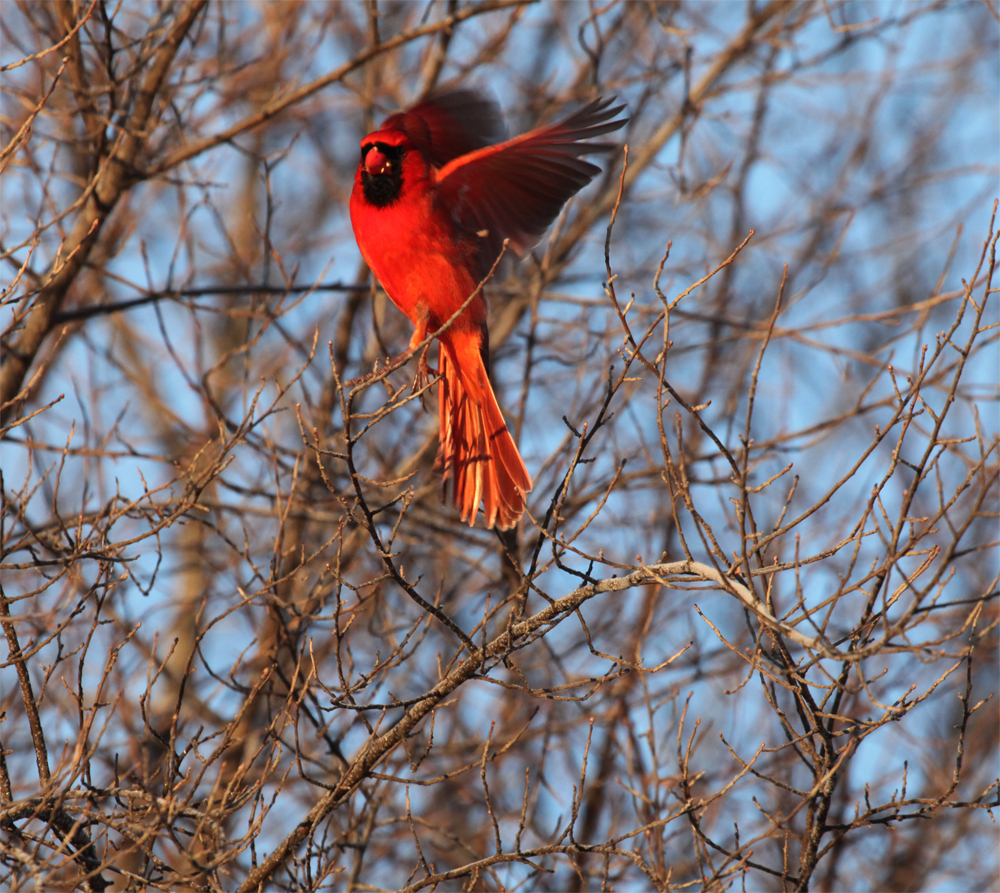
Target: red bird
(434,198)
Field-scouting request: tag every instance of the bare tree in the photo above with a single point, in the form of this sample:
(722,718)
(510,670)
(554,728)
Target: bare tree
(746,633)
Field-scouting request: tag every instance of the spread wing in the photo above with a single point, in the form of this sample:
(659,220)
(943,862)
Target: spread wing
(515,189)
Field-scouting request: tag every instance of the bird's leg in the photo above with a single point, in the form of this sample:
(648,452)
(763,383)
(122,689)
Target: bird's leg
(419,335)
(424,371)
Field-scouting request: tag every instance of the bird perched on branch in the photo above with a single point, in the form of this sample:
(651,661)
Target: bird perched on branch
(435,198)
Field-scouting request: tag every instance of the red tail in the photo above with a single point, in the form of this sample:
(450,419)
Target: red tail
(477,451)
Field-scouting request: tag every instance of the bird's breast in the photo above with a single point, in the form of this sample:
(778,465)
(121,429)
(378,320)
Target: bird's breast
(416,254)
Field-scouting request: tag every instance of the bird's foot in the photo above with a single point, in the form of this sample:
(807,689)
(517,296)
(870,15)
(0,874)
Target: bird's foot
(424,372)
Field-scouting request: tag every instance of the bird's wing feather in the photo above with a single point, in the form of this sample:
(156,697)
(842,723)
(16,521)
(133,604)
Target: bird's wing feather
(516,188)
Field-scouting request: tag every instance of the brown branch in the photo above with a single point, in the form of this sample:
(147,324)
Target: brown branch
(113,178)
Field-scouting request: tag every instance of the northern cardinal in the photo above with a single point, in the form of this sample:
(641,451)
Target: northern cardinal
(434,198)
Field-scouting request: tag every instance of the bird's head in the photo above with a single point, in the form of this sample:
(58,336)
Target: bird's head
(386,157)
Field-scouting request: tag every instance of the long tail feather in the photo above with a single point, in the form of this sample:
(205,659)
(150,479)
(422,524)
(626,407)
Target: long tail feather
(477,453)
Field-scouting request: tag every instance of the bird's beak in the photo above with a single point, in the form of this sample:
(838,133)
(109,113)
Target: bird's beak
(376,162)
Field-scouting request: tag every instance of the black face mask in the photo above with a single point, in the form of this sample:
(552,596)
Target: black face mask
(381,190)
